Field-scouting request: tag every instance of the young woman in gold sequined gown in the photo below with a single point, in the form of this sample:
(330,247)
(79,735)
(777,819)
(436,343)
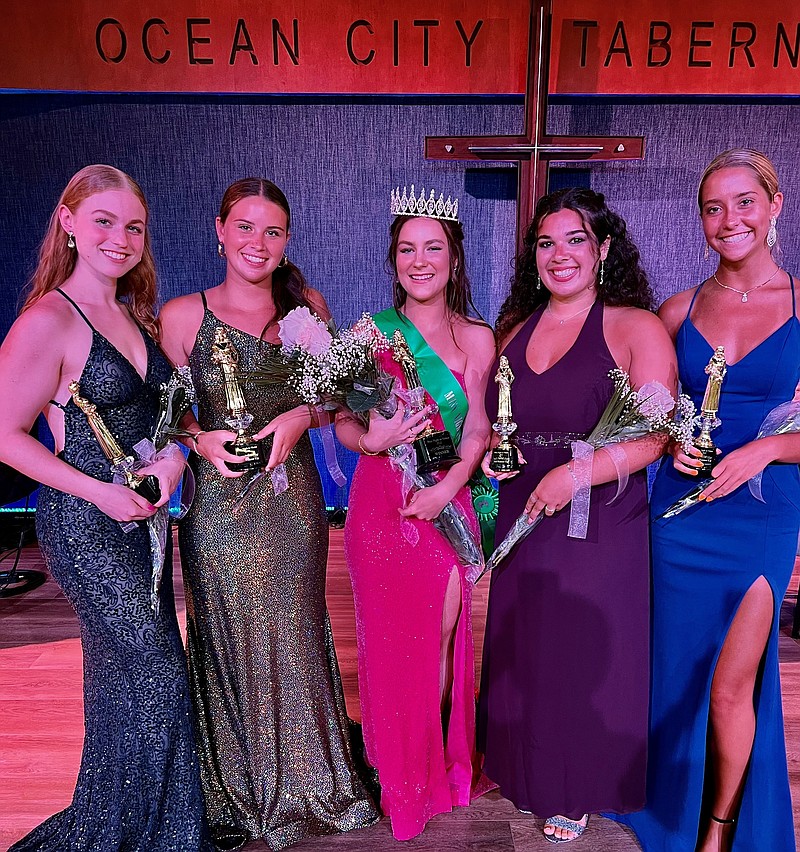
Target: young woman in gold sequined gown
(272,728)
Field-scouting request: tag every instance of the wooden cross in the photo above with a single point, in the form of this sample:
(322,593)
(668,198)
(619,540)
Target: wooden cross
(535,149)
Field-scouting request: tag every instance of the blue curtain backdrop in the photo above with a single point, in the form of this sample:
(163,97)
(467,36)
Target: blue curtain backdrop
(337,160)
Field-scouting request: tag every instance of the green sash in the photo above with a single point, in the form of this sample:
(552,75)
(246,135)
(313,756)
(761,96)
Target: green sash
(443,387)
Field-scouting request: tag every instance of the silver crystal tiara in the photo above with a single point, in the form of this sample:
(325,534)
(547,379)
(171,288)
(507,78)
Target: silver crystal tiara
(413,205)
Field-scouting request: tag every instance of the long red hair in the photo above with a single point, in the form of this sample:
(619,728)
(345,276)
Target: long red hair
(57,261)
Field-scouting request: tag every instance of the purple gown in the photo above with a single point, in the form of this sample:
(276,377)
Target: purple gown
(564,688)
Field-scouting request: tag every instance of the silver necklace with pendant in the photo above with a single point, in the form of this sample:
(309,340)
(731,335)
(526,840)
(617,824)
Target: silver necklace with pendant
(743,293)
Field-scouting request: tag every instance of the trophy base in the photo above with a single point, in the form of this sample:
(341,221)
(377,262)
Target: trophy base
(149,489)
(253,454)
(504,459)
(708,457)
(435,451)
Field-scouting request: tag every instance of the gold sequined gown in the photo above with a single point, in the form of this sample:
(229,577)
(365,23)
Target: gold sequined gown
(272,729)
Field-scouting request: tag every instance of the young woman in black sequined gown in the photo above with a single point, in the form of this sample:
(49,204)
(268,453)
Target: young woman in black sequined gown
(89,317)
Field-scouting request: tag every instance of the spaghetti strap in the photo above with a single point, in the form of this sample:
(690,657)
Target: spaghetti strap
(794,302)
(74,305)
(203,297)
(691,304)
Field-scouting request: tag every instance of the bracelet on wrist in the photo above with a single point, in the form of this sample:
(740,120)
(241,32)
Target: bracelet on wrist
(363,448)
(194,436)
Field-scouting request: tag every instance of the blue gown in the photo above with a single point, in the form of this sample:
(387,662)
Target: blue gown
(704,561)
(138,788)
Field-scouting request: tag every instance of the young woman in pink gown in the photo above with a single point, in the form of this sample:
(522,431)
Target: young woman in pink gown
(413,602)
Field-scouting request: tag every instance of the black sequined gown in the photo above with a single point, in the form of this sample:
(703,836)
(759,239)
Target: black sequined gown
(272,728)
(138,788)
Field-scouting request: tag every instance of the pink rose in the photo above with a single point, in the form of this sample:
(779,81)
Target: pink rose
(302,329)
(655,400)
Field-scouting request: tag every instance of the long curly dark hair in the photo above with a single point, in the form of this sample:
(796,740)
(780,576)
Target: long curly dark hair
(624,280)
(459,289)
(289,286)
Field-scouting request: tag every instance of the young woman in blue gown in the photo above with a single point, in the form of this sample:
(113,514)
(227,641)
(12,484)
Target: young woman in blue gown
(89,317)
(717,775)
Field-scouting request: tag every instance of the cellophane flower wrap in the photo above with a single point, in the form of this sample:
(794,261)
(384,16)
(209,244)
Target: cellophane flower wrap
(176,397)
(453,521)
(784,419)
(629,414)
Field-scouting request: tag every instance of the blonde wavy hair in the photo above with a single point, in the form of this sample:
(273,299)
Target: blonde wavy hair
(56,263)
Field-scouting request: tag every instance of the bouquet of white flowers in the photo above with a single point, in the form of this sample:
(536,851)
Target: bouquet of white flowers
(327,366)
(332,368)
(629,414)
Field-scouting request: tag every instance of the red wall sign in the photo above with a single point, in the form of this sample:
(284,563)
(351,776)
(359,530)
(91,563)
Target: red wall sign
(417,46)
(350,46)
(735,47)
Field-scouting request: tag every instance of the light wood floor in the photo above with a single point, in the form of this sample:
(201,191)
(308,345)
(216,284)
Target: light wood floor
(41,728)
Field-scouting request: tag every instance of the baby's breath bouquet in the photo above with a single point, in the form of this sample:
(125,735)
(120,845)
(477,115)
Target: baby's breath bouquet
(327,366)
(629,414)
(330,368)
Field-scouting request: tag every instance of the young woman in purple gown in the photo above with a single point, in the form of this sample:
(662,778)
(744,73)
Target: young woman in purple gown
(564,687)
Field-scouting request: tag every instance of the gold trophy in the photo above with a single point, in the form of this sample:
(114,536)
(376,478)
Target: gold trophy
(434,450)
(708,419)
(121,464)
(505,456)
(254,454)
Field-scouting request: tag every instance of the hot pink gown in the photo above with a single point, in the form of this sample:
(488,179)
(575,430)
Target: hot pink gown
(399,586)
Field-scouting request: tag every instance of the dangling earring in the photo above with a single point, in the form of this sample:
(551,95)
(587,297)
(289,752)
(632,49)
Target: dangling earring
(284,262)
(772,233)
(705,252)
(538,282)
(220,249)
(71,240)
(602,275)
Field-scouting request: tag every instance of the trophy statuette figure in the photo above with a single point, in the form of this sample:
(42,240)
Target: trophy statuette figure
(708,419)
(434,449)
(254,454)
(505,456)
(121,463)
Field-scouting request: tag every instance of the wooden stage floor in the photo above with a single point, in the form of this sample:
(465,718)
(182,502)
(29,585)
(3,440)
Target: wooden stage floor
(41,728)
